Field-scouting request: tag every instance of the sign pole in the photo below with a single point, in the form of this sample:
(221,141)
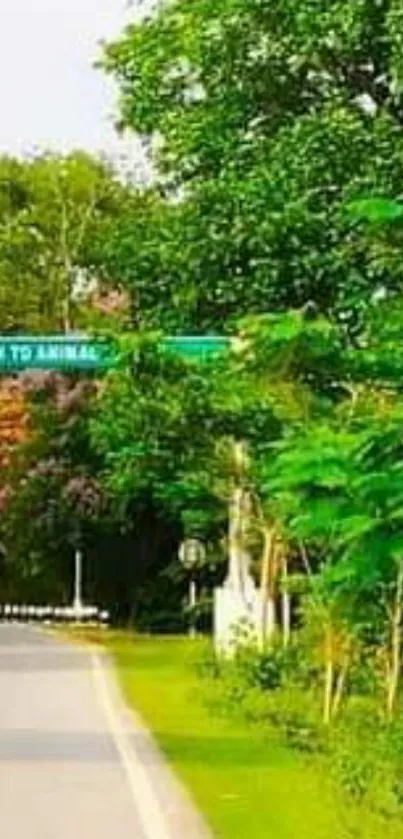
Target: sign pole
(192,554)
(78,568)
(192,605)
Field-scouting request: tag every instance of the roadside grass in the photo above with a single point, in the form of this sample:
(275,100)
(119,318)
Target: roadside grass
(246,785)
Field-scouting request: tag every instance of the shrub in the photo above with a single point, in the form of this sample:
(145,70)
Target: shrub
(261,687)
(366,757)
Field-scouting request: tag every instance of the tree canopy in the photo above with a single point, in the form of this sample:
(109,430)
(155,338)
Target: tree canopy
(53,212)
(263,120)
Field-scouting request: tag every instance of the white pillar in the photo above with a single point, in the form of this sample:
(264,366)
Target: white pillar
(236,605)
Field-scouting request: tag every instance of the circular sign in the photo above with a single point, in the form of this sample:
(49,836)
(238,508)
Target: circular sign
(191,553)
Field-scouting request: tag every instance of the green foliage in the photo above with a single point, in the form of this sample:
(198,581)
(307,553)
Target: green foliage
(361,752)
(265,120)
(144,426)
(365,757)
(321,420)
(54,213)
(266,689)
(165,424)
(270,668)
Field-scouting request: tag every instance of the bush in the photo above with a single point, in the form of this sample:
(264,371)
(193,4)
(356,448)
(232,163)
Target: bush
(261,687)
(366,757)
(264,670)
(286,714)
(275,666)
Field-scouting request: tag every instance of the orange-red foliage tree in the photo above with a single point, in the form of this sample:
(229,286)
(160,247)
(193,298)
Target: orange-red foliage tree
(14,420)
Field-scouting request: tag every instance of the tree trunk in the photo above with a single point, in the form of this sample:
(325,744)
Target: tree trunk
(238,523)
(271,626)
(66,270)
(329,677)
(396,646)
(339,689)
(236,550)
(268,605)
(286,605)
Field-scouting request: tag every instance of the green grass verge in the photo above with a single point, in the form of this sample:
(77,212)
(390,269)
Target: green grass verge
(247,786)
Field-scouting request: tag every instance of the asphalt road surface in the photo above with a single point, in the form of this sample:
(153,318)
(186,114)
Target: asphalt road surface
(73,763)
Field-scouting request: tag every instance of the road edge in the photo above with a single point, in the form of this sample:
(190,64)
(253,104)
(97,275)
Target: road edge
(165,805)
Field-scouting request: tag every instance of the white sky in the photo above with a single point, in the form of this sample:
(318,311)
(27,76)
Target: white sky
(50,95)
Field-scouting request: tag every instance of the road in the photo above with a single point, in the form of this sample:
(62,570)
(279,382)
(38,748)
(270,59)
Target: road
(73,763)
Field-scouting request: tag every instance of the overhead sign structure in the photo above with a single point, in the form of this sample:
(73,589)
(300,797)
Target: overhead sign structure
(80,353)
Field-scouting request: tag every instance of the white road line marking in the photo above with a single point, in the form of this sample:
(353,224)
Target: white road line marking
(147,805)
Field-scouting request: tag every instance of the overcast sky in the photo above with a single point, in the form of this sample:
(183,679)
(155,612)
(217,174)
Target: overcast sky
(50,95)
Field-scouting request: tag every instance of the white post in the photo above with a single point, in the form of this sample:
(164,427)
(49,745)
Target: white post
(78,602)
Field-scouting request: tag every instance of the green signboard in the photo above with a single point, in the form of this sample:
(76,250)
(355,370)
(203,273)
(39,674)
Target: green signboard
(53,353)
(198,346)
(68,353)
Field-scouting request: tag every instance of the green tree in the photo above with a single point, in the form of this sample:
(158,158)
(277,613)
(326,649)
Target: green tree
(334,482)
(153,427)
(264,119)
(53,213)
